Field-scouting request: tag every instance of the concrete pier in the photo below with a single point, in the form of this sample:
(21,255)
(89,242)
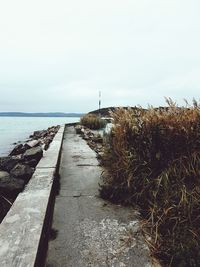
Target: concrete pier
(89,231)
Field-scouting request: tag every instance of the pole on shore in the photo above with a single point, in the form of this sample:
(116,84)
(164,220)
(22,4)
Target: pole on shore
(99,103)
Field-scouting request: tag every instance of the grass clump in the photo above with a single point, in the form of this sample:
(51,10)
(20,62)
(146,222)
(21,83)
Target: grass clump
(153,161)
(93,122)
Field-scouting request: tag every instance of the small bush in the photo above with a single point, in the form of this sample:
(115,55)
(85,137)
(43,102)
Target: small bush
(93,122)
(153,161)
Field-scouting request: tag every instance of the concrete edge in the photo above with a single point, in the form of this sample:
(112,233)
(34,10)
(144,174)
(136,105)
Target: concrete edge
(25,229)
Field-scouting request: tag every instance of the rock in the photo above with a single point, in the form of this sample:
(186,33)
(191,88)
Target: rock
(10,185)
(19,149)
(46,146)
(47,142)
(99,147)
(8,163)
(100,155)
(79,129)
(86,137)
(22,171)
(40,134)
(32,143)
(53,130)
(33,153)
(97,139)
(4,175)
(32,163)
(48,139)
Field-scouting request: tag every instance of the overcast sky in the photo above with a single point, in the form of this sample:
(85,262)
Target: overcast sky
(55,55)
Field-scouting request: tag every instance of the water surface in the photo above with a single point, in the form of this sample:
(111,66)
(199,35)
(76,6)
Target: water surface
(14,129)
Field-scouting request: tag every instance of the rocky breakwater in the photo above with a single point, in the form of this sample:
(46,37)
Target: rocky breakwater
(17,168)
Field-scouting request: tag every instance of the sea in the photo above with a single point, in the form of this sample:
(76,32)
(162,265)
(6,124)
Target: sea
(18,129)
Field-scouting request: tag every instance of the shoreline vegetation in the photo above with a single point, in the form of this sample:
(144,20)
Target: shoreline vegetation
(17,168)
(152,160)
(93,122)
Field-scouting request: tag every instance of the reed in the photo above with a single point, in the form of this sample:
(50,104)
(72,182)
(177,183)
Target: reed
(93,122)
(153,162)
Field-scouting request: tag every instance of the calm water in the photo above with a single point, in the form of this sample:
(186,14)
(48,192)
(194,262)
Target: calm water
(14,129)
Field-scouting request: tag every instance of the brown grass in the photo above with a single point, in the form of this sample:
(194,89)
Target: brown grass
(153,162)
(93,122)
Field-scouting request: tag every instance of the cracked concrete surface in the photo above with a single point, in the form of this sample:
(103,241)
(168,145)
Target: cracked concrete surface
(89,230)
(109,243)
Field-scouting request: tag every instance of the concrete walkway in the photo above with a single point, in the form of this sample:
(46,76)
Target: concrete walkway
(90,231)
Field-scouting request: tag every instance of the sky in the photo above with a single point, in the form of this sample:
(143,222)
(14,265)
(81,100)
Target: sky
(56,55)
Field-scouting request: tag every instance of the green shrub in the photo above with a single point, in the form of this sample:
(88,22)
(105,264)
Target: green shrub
(93,122)
(153,161)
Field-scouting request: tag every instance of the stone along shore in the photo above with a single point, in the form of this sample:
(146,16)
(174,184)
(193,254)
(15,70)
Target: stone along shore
(18,167)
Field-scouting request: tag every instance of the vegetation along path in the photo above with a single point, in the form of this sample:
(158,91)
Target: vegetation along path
(90,231)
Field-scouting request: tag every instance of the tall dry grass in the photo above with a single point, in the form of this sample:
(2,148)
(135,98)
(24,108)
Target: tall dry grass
(93,122)
(153,162)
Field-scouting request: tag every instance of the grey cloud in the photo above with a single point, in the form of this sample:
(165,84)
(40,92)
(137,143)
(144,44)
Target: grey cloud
(57,55)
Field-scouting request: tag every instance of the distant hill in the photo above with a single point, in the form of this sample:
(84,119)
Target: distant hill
(51,114)
(105,112)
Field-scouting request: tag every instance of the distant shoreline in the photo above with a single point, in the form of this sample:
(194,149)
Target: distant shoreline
(45,115)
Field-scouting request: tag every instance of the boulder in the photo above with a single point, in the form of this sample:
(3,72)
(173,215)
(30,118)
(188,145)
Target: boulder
(99,147)
(4,175)
(32,163)
(100,155)
(19,149)
(22,171)
(79,129)
(33,153)
(32,143)
(47,142)
(86,137)
(53,130)
(39,134)
(8,163)
(46,146)
(10,185)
